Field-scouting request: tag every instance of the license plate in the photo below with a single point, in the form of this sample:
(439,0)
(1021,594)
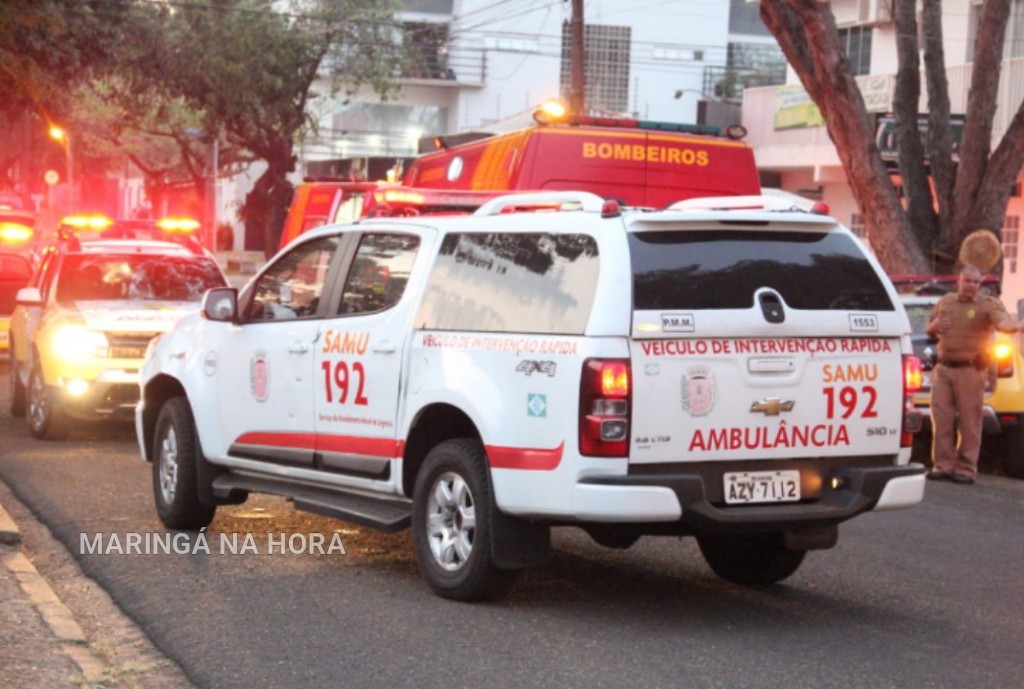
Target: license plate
(749,487)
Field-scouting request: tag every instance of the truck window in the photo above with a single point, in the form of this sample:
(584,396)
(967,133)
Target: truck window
(526,283)
(292,287)
(379,274)
(711,269)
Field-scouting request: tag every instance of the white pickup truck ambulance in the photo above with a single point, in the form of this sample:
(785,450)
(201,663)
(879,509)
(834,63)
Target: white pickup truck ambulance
(737,375)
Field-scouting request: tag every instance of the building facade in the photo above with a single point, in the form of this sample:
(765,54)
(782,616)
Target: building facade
(484,65)
(793,148)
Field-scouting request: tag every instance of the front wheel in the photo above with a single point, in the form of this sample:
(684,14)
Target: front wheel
(175,459)
(17,390)
(451,527)
(750,559)
(46,419)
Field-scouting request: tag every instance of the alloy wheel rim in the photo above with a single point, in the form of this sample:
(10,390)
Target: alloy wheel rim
(169,465)
(451,521)
(38,407)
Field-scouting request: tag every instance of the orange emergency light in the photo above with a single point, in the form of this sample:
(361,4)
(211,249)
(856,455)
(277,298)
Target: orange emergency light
(173,225)
(86,222)
(14,233)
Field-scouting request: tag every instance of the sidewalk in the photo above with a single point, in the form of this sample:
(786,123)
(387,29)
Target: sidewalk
(42,643)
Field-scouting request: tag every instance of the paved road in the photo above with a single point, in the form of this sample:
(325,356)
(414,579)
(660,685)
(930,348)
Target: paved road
(929,597)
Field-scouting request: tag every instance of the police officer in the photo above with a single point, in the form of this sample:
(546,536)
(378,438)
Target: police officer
(963,323)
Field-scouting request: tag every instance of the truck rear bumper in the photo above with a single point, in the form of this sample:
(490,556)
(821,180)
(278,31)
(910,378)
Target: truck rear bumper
(679,502)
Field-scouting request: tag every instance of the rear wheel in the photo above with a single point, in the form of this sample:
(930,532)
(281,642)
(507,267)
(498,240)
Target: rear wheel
(750,559)
(17,391)
(1012,454)
(46,419)
(175,458)
(922,448)
(451,527)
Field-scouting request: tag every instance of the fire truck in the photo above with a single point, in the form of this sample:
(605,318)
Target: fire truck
(636,162)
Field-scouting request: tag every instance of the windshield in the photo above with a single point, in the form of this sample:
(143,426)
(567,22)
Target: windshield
(136,277)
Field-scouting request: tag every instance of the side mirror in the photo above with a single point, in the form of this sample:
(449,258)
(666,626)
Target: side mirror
(29,296)
(221,304)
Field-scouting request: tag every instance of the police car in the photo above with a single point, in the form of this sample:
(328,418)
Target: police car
(81,326)
(741,376)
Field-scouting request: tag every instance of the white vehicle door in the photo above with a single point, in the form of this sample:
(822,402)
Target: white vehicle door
(360,357)
(265,367)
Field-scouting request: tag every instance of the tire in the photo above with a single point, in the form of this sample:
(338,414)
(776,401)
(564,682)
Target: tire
(46,420)
(17,391)
(751,559)
(612,537)
(175,457)
(1012,451)
(451,523)
(922,448)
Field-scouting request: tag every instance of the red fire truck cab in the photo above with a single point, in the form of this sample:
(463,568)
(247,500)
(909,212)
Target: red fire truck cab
(650,164)
(638,163)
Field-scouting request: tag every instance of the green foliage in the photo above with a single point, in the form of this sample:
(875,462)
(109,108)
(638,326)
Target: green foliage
(132,78)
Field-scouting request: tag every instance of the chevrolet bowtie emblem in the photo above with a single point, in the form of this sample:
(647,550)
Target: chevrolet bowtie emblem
(772,406)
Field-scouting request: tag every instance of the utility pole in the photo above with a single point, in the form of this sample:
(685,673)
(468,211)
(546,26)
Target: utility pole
(576,57)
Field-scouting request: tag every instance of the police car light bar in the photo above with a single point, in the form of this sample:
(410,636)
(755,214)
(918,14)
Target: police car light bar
(14,233)
(86,222)
(178,225)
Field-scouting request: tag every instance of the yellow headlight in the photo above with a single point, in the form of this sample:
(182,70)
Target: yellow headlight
(77,343)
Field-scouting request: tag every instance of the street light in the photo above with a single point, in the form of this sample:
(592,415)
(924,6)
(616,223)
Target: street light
(58,134)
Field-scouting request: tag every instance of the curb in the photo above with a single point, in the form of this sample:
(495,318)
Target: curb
(56,615)
(9,533)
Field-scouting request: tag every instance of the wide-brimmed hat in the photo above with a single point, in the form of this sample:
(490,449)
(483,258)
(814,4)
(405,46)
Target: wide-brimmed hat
(981,249)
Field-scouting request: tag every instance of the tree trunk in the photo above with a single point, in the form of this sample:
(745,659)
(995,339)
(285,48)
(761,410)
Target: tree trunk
(807,34)
(911,155)
(940,133)
(977,137)
(264,211)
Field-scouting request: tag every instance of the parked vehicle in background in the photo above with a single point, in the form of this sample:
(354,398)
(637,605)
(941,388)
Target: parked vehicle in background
(1003,409)
(325,202)
(15,271)
(741,376)
(17,237)
(639,163)
(80,328)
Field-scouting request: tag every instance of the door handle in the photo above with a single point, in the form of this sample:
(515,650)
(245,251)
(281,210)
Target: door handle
(298,348)
(385,348)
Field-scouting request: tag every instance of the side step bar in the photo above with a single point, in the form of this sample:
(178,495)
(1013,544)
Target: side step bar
(384,514)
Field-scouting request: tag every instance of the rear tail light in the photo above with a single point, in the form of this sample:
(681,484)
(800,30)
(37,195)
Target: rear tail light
(913,380)
(605,408)
(1002,355)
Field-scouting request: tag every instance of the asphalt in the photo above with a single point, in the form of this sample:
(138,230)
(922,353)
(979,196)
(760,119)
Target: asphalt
(43,640)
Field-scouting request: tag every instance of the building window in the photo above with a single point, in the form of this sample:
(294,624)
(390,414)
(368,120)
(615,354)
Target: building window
(606,67)
(1014,45)
(1011,240)
(856,43)
(857,226)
